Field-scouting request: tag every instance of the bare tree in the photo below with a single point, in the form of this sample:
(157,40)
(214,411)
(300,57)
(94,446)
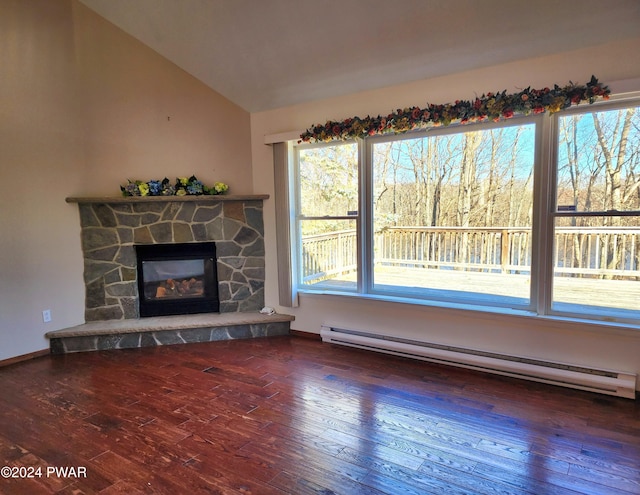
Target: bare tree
(612,142)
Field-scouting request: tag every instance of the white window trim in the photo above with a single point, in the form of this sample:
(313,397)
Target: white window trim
(542,228)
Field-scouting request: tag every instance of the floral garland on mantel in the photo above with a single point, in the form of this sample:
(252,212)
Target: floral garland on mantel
(184,186)
(490,106)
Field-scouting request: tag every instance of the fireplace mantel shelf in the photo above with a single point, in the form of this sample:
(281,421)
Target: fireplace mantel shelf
(167,199)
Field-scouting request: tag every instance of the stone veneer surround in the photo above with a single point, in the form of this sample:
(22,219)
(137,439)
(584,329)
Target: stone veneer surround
(112,226)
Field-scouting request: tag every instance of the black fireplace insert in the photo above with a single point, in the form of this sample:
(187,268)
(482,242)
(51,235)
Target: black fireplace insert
(176,279)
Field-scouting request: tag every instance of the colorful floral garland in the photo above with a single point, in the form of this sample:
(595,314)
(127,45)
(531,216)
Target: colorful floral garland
(183,187)
(492,106)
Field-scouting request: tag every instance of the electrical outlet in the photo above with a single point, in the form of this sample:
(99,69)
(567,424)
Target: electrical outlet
(46,315)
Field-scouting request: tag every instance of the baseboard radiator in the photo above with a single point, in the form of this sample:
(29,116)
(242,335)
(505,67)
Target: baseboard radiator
(608,382)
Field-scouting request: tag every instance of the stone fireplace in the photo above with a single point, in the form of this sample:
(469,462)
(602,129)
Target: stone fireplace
(113,227)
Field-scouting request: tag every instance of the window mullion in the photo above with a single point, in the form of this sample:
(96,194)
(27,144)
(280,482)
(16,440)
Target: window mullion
(365,224)
(543,222)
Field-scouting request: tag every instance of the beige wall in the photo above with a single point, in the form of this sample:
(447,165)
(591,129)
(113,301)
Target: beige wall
(571,342)
(84,107)
(146,118)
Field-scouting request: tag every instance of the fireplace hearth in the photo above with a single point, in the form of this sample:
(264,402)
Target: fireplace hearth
(177,279)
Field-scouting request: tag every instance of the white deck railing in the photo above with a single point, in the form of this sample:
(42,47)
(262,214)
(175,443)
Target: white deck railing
(578,251)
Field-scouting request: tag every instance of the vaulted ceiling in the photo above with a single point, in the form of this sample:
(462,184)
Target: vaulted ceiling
(265,54)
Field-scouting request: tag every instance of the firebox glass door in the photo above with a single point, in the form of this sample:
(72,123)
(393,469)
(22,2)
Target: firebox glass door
(173,279)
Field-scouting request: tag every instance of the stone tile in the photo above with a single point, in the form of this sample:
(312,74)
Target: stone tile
(130,341)
(224,249)
(220,333)
(171,211)
(98,238)
(81,344)
(129,307)
(127,220)
(149,207)
(227,306)
(127,256)
(240,332)
(142,235)
(235,210)
(105,215)
(182,232)
(255,249)
(255,219)
(276,329)
(94,294)
(149,218)
(204,214)
(112,277)
(200,233)
(168,338)
(88,217)
(125,234)
(94,270)
(122,289)
(245,236)
(253,303)
(186,212)
(104,254)
(196,335)
(104,313)
(56,346)
(147,340)
(161,232)
(107,342)
(235,226)
(121,207)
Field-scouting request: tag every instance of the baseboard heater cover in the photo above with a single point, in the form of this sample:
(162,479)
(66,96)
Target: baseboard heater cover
(608,382)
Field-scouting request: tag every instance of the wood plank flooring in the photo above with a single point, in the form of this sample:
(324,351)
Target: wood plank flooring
(290,415)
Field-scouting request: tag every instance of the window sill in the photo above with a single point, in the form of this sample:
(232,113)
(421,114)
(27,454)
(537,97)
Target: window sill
(489,312)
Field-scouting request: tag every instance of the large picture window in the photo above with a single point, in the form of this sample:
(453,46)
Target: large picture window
(538,213)
(452,215)
(597,218)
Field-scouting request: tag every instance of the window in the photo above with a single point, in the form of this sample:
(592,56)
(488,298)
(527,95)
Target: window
(458,214)
(328,198)
(452,215)
(597,218)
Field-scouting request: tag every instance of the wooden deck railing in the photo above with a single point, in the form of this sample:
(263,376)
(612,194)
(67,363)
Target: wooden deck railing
(578,251)
(327,255)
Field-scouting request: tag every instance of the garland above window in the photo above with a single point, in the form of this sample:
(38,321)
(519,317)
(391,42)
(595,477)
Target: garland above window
(492,106)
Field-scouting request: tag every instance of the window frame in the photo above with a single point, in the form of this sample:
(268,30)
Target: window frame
(536,120)
(542,228)
(554,213)
(298,217)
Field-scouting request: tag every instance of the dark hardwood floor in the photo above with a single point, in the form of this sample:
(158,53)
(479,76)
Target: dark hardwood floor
(293,415)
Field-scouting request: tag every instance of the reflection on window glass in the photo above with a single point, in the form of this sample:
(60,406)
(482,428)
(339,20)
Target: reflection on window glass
(453,214)
(328,178)
(329,256)
(597,267)
(599,161)
(596,257)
